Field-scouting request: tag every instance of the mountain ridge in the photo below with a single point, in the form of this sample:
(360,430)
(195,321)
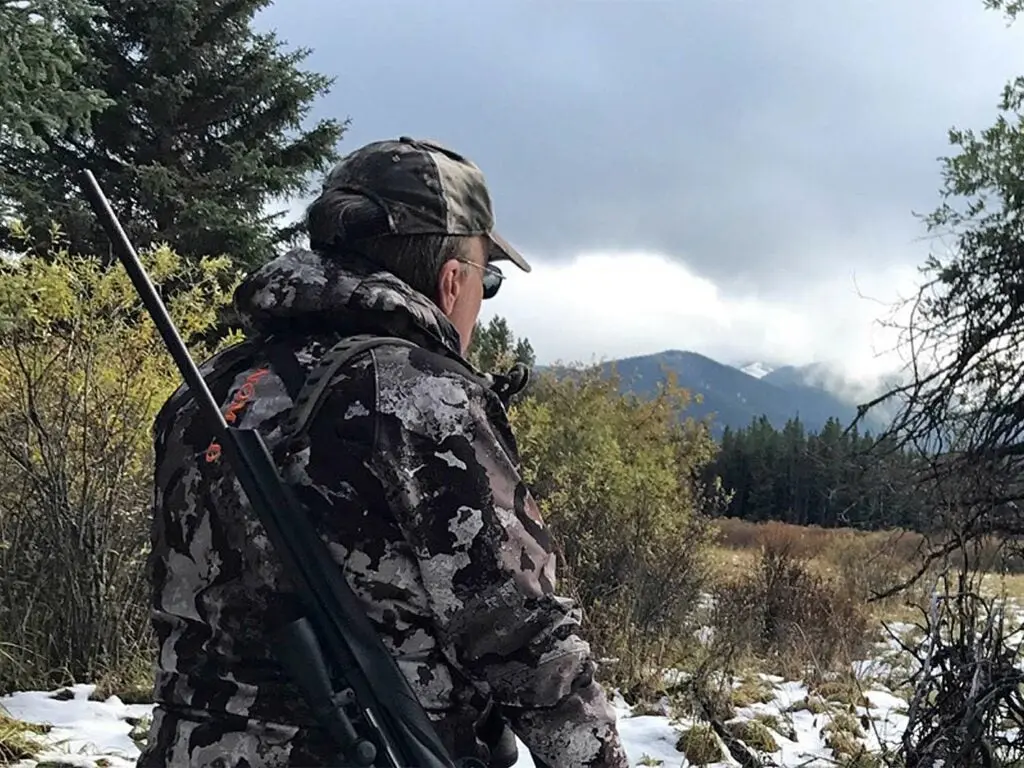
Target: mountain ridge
(734,396)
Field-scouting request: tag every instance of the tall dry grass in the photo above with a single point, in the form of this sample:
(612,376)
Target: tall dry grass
(804,602)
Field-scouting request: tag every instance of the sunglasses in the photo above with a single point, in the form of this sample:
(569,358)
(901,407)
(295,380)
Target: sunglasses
(492,277)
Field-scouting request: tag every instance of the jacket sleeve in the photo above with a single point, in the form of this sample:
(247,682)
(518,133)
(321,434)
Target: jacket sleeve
(446,455)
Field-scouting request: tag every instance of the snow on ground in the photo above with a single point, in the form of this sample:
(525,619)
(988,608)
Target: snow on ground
(87,733)
(83,731)
(90,733)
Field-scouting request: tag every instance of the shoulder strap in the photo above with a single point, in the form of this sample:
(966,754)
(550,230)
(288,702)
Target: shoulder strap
(287,367)
(311,396)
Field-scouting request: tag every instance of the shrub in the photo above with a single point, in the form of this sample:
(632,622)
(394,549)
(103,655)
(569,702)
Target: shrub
(82,373)
(754,734)
(785,612)
(700,745)
(616,478)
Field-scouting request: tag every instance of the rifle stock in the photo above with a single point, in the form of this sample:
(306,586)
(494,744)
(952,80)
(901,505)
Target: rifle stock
(333,653)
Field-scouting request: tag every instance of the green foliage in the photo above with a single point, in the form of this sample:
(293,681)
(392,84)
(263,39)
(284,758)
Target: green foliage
(40,93)
(495,348)
(616,477)
(82,374)
(205,131)
(1010,8)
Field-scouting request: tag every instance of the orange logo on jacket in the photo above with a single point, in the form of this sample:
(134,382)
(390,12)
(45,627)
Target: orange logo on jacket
(241,399)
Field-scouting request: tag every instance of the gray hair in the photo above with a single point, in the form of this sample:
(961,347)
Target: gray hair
(414,259)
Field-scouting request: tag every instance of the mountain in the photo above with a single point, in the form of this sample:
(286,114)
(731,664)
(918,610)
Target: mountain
(736,397)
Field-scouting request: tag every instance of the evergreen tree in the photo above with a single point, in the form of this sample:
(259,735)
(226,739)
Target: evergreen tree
(763,473)
(204,132)
(494,347)
(524,353)
(828,478)
(794,448)
(39,91)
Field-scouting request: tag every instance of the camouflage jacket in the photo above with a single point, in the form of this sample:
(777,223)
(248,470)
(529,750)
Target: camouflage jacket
(410,473)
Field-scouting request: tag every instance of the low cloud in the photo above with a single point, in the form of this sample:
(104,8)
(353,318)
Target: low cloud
(603,305)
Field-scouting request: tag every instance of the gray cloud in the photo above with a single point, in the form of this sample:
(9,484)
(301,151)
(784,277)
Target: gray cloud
(762,143)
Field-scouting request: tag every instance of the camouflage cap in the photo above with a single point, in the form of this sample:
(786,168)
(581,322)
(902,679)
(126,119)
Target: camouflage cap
(415,187)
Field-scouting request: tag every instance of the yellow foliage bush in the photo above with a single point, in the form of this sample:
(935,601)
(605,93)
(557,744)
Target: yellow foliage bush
(83,372)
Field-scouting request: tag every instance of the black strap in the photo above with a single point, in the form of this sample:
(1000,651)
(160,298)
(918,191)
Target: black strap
(287,367)
(311,396)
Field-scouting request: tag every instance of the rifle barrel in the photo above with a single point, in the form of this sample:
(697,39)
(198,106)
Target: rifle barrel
(147,292)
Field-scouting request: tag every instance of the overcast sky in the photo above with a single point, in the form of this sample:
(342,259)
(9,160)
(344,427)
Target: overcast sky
(734,178)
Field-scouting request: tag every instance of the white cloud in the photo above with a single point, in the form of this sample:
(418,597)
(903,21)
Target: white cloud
(612,305)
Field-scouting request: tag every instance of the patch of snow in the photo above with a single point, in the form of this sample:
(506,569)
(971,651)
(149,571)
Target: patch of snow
(866,669)
(646,735)
(82,729)
(888,718)
(757,369)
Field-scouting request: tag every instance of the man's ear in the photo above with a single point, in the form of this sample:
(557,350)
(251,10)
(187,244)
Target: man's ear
(449,285)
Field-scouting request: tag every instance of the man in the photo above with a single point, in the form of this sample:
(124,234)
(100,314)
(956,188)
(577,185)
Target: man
(409,470)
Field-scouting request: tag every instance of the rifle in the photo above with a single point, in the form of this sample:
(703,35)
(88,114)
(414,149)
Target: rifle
(332,653)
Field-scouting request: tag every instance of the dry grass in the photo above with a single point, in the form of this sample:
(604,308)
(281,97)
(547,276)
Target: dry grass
(132,682)
(1010,584)
(16,739)
(799,601)
(795,621)
(729,563)
(815,543)
(861,564)
(867,562)
(737,537)
(783,599)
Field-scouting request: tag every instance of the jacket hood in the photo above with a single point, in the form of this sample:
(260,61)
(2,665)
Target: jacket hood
(303,291)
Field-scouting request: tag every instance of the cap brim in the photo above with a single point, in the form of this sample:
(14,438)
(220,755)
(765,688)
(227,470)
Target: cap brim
(501,250)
